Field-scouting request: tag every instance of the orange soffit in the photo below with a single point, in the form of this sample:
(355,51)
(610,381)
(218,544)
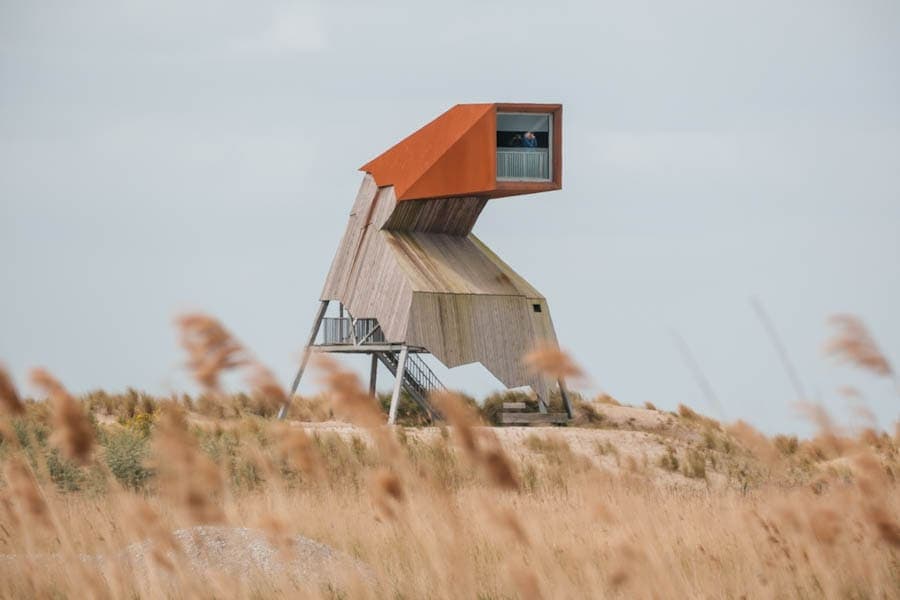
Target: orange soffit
(451,156)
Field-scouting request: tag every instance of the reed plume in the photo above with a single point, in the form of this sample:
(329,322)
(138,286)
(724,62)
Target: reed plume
(185,473)
(591,513)
(10,402)
(211,349)
(480,445)
(265,388)
(73,432)
(507,520)
(885,524)
(526,582)
(297,448)
(854,344)
(387,492)
(547,359)
(26,492)
(351,401)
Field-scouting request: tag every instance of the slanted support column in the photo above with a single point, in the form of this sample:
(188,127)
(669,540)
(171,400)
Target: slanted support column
(543,396)
(398,384)
(320,314)
(373,374)
(565,397)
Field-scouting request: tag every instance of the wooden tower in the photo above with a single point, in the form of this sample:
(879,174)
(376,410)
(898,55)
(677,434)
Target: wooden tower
(409,277)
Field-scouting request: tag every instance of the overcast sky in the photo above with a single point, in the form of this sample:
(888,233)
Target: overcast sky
(157,157)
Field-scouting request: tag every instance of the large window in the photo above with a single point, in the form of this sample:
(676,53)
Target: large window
(523,147)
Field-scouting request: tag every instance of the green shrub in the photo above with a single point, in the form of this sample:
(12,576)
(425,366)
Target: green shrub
(694,464)
(141,423)
(409,413)
(67,475)
(669,461)
(123,406)
(30,432)
(786,444)
(245,473)
(126,453)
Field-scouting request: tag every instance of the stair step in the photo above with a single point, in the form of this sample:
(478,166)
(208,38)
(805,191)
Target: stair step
(513,406)
(418,379)
(533,418)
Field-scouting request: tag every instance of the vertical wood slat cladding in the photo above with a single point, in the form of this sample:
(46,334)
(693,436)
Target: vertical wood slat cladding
(416,268)
(363,275)
(336,281)
(460,329)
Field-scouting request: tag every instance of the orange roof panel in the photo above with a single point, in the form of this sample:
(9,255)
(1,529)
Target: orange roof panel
(408,161)
(454,155)
(467,168)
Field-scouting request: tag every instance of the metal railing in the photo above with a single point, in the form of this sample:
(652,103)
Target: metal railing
(419,371)
(336,331)
(523,163)
(418,378)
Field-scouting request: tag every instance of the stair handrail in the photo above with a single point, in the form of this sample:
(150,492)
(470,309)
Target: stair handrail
(422,374)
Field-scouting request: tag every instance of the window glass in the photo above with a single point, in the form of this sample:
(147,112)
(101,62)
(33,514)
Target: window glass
(523,130)
(523,146)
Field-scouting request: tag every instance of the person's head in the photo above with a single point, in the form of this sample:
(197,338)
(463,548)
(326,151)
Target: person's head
(529,135)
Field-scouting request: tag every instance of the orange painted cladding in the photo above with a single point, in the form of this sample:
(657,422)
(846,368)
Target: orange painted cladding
(455,155)
(467,168)
(404,164)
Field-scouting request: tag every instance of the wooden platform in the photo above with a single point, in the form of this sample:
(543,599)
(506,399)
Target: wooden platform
(533,418)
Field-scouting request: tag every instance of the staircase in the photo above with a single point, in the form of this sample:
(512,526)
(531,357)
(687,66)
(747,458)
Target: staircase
(418,379)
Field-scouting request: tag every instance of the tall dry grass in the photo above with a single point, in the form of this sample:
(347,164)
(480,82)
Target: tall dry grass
(456,511)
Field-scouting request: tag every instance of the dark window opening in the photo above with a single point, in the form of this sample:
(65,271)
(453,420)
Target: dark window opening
(520,139)
(524,143)
(536,307)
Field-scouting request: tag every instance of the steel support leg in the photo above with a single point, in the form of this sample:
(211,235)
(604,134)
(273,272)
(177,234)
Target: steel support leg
(398,385)
(373,374)
(320,314)
(542,391)
(565,397)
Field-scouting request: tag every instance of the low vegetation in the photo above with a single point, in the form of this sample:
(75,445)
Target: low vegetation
(628,503)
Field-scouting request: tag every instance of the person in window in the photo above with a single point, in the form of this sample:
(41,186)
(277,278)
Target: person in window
(529,141)
(515,141)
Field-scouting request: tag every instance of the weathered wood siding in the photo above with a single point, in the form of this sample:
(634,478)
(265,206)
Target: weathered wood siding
(454,216)
(455,265)
(496,331)
(349,248)
(416,268)
(364,275)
